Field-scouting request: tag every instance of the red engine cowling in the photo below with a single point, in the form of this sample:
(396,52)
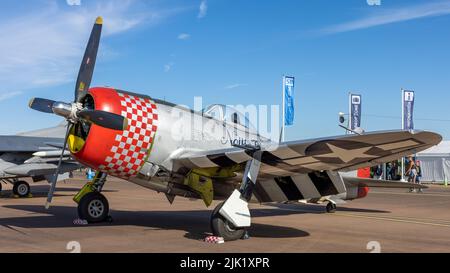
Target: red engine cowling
(120,153)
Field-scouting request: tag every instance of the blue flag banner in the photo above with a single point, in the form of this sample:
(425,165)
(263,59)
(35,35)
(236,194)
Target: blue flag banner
(408,110)
(355,111)
(288,89)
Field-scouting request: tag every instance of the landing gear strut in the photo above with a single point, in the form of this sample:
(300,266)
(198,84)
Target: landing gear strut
(231,218)
(331,207)
(92,205)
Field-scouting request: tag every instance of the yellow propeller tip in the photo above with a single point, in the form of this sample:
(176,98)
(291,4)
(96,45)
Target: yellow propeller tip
(30,102)
(99,20)
(47,205)
(125,124)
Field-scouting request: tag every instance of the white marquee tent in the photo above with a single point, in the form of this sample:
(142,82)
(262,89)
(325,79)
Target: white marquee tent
(435,163)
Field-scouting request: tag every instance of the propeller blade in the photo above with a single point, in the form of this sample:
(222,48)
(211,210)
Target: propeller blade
(55,176)
(104,119)
(88,64)
(42,105)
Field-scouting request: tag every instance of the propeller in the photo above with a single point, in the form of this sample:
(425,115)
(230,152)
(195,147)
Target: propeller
(75,112)
(104,119)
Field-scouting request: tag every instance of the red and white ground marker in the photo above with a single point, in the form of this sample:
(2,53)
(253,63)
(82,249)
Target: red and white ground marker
(214,240)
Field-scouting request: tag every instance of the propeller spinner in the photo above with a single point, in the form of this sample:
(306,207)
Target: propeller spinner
(74,112)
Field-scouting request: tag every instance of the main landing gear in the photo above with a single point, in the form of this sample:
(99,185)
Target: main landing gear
(92,205)
(231,218)
(224,228)
(21,188)
(331,207)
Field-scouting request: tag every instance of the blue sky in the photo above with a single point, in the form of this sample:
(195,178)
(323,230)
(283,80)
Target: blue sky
(235,52)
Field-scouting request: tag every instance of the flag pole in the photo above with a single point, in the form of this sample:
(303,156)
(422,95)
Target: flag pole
(283,122)
(403,128)
(349,124)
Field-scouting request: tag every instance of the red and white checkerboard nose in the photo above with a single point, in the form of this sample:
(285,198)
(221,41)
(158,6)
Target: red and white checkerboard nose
(120,153)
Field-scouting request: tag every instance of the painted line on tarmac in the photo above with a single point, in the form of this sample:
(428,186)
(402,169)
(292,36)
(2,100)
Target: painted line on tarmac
(392,219)
(411,194)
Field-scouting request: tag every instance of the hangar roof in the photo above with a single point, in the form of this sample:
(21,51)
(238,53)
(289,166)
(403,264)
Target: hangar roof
(440,150)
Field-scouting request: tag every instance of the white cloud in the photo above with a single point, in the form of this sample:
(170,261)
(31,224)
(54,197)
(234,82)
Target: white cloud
(234,86)
(44,47)
(9,95)
(184,36)
(168,67)
(389,16)
(203,9)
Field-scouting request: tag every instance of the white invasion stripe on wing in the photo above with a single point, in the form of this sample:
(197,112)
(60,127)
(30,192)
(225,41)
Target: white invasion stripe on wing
(337,181)
(273,190)
(306,186)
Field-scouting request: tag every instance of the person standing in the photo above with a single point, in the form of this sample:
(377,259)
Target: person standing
(411,172)
(378,172)
(419,174)
(389,171)
(394,170)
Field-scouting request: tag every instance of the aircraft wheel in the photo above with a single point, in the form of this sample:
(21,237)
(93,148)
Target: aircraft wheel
(21,189)
(221,227)
(331,207)
(1,187)
(93,207)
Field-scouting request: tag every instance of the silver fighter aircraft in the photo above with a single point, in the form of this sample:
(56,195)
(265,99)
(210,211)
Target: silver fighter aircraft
(33,154)
(209,155)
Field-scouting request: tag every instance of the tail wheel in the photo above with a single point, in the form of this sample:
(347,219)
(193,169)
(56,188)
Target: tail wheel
(93,207)
(223,228)
(21,189)
(331,207)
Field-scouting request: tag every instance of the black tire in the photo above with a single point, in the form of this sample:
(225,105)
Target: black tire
(21,189)
(331,207)
(93,207)
(1,187)
(223,228)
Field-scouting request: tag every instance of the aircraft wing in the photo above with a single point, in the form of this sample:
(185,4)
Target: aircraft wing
(27,143)
(341,153)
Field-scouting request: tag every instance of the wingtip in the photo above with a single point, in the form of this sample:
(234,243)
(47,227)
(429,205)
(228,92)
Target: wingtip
(99,20)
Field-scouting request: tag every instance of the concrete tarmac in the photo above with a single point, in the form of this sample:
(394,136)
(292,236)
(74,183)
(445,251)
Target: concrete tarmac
(388,220)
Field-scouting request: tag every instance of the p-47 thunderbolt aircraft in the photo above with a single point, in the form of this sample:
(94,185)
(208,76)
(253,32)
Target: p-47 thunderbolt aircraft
(144,140)
(33,154)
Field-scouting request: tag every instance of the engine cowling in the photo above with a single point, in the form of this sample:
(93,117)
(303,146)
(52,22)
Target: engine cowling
(118,153)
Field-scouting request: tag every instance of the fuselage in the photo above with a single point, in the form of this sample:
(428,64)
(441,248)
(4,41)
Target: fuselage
(157,133)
